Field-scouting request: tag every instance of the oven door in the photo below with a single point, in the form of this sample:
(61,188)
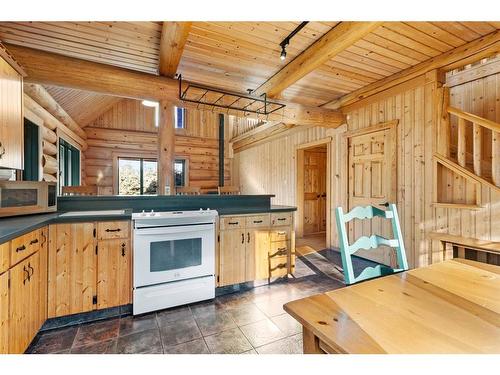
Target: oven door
(166,254)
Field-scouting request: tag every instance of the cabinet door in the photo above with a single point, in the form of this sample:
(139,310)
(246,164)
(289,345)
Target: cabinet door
(11,117)
(24,309)
(113,273)
(44,253)
(232,257)
(4,313)
(72,269)
(257,254)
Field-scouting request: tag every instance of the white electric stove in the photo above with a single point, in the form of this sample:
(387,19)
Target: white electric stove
(174,258)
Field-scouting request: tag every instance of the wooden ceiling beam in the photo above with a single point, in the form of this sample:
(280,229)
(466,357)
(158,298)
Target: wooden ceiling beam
(339,38)
(473,51)
(243,141)
(39,94)
(173,39)
(52,69)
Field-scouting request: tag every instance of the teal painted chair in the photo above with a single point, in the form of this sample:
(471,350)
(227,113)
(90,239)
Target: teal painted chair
(371,242)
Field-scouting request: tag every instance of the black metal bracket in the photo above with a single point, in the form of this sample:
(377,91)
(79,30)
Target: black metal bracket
(248,103)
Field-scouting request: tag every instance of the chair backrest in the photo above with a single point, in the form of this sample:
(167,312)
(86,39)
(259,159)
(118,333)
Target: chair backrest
(187,190)
(79,190)
(372,242)
(229,190)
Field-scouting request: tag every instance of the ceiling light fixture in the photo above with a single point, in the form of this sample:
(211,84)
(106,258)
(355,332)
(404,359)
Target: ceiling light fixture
(149,103)
(285,42)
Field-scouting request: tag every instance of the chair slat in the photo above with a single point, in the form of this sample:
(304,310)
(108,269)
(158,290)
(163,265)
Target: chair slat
(372,242)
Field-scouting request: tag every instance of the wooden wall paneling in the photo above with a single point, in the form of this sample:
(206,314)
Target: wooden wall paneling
(4,313)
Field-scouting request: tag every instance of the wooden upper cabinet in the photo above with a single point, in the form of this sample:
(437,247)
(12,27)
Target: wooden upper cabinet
(72,269)
(114,261)
(11,116)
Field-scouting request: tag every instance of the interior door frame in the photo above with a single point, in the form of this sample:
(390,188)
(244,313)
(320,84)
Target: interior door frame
(299,155)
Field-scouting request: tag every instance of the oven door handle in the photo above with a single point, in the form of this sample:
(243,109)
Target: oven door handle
(170,230)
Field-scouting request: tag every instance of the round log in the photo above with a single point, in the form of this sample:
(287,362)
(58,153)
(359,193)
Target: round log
(49,135)
(49,148)
(49,177)
(49,162)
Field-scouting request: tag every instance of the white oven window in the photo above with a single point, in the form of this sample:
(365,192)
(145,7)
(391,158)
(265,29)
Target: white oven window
(175,254)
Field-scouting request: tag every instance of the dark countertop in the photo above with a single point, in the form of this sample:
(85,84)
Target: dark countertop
(13,227)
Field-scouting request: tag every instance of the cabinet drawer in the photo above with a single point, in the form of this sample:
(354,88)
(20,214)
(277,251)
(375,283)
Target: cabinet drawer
(232,222)
(278,266)
(113,229)
(25,245)
(4,257)
(257,221)
(279,248)
(281,219)
(280,234)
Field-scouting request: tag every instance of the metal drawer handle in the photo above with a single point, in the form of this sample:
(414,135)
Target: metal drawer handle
(113,230)
(281,218)
(32,242)
(27,275)
(233,223)
(20,248)
(257,221)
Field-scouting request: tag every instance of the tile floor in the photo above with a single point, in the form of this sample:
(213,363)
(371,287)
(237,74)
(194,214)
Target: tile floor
(247,322)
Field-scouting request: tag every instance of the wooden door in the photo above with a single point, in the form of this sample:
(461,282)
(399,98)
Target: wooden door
(372,181)
(314,190)
(4,313)
(113,273)
(257,246)
(72,269)
(24,308)
(232,257)
(11,117)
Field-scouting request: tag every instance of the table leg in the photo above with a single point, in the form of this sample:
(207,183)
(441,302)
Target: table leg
(310,342)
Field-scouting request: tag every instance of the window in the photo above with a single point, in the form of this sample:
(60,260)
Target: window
(69,164)
(180,172)
(31,155)
(180,118)
(137,176)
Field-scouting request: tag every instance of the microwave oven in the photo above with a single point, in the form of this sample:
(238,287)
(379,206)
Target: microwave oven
(27,197)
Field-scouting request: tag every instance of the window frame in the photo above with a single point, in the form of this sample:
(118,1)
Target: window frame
(141,160)
(185,161)
(61,175)
(183,111)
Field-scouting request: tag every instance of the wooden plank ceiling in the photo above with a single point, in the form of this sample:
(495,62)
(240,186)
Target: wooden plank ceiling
(242,55)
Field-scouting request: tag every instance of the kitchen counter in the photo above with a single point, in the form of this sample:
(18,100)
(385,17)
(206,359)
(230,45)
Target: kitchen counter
(13,227)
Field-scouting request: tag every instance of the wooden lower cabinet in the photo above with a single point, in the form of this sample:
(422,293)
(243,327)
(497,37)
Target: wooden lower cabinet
(232,257)
(72,269)
(114,287)
(248,252)
(4,313)
(24,320)
(256,250)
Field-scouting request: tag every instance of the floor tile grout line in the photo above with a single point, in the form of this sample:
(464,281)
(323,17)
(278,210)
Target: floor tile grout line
(160,334)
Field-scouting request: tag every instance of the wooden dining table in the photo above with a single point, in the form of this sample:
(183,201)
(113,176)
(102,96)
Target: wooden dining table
(448,307)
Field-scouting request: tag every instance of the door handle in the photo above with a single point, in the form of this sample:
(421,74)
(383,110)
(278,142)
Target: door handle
(32,271)
(242,237)
(386,204)
(27,275)
(248,237)
(123,249)
(323,195)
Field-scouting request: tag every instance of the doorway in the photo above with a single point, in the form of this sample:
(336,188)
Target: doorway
(313,182)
